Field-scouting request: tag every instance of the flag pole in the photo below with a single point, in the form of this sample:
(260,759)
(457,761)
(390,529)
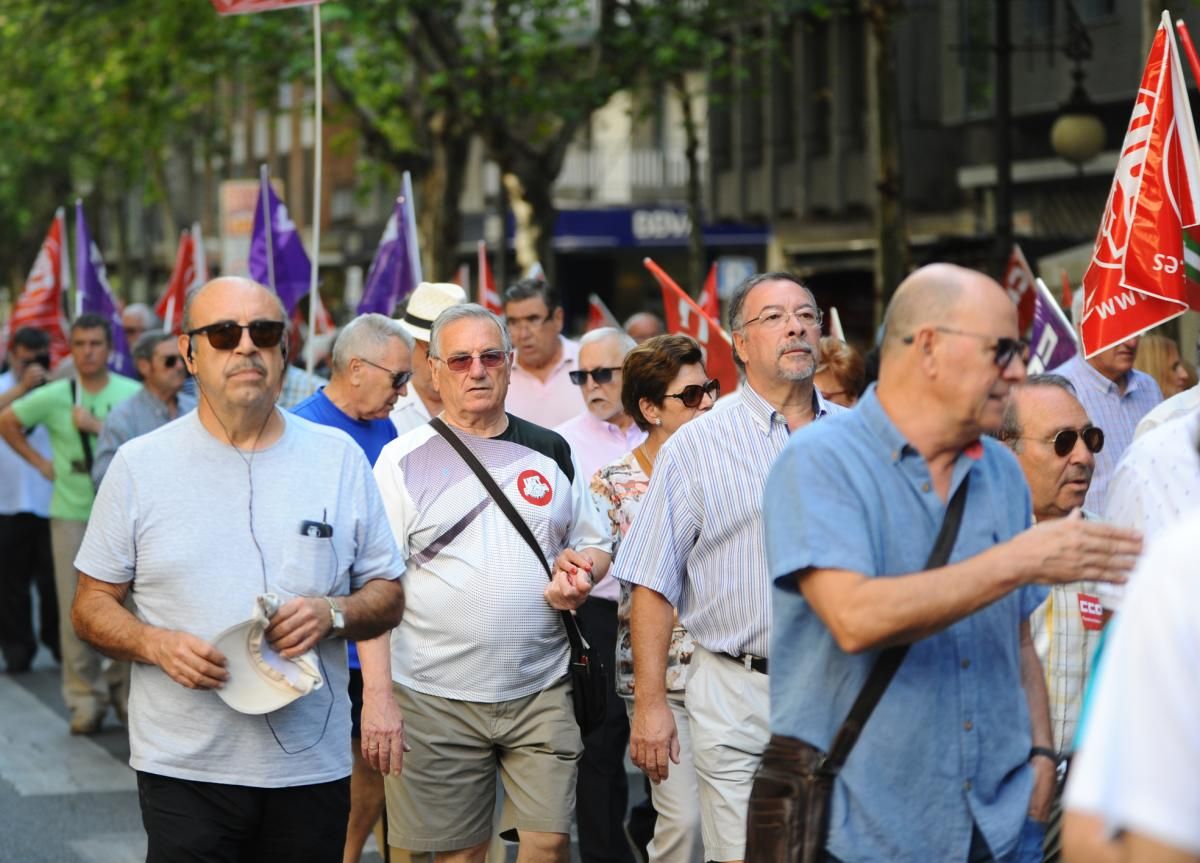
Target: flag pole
(1189,49)
(313,301)
(264,177)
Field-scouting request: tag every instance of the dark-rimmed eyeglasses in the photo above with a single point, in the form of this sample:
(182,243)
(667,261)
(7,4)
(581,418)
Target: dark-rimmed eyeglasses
(399,379)
(225,335)
(1064,441)
(774,317)
(1003,348)
(692,395)
(600,376)
(462,362)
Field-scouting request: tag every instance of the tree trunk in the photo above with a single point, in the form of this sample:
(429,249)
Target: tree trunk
(696,251)
(891,251)
(438,215)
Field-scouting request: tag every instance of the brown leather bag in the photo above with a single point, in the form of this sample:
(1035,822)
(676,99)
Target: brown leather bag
(787,820)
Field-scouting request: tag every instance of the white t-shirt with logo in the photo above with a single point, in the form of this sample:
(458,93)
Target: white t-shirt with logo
(476,625)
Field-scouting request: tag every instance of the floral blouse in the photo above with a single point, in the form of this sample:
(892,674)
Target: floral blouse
(617,489)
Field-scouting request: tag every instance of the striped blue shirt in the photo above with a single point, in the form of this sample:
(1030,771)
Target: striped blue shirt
(1116,412)
(698,536)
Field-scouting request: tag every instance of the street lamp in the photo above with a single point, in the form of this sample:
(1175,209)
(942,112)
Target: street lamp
(1077,135)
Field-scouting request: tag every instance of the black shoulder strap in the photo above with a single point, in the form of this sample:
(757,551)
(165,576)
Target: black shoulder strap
(506,507)
(888,662)
(83,436)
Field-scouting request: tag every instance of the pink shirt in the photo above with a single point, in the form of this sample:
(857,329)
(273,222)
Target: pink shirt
(594,444)
(547,403)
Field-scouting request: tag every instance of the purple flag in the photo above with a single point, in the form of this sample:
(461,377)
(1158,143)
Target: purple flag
(391,277)
(1052,338)
(96,297)
(281,263)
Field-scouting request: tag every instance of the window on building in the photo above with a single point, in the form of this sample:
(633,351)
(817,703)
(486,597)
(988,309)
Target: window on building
(1090,10)
(820,88)
(753,98)
(720,139)
(975,53)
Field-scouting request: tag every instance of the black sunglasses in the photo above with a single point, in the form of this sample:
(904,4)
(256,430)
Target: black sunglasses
(225,335)
(1064,441)
(399,379)
(692,395)
(600,376)
(1004,349)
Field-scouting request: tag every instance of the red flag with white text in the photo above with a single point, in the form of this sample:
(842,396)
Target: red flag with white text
(708,301)
(40,305)
(1019,283)
(190,272)
(488,298)
(1136,279)
(684,316)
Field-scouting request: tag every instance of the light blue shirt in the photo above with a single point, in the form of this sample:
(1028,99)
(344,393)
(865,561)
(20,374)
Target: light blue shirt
(948,744)
(1116,412)
(698,536)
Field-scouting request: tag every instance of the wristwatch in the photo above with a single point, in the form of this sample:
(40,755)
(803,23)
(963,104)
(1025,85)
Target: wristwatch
(1044,750)
(337,620)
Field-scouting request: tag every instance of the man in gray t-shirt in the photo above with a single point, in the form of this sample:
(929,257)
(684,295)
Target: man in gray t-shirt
(198,518)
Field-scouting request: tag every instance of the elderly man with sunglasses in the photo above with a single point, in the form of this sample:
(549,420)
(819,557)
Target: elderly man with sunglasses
(697,546)
(201,518)
(160,367)
(945,767)
(480,661)
(602,433)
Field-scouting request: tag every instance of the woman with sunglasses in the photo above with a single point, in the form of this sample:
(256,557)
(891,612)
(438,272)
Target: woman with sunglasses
(664,386)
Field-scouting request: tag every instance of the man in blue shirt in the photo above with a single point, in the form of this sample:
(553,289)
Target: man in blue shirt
(372,364)
(943,770)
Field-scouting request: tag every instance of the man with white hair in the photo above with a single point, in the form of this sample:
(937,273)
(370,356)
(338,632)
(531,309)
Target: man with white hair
(372,364)
(422,401)
(136,318)
(601,434)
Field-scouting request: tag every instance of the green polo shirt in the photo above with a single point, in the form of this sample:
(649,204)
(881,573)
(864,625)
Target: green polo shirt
(51,406)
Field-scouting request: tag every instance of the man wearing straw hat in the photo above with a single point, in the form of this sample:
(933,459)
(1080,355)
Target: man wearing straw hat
(422,402)
(73,410)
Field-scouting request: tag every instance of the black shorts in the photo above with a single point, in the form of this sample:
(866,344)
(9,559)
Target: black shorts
(187,820)
(355,689)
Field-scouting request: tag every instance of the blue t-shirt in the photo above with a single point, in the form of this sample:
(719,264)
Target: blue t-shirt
(371,435)
(948,744)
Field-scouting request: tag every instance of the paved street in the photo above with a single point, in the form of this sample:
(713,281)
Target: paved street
(67,799)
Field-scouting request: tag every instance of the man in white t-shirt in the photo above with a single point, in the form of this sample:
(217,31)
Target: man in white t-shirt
(25,517)
(199,518)
(480,660)
(1137,766)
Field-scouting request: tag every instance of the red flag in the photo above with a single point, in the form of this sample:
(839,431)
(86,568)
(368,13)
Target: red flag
(684,316)
(709,302)
(1066,293)
(1136,279)
(190,272)
(599,314)
(245,7)
(488,298)
(40,305)
(1018,282)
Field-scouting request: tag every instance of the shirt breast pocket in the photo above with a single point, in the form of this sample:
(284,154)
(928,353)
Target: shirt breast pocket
(309,567)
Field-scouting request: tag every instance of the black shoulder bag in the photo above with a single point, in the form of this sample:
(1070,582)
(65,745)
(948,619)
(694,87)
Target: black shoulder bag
(788,816)
(589,683)
(84,439)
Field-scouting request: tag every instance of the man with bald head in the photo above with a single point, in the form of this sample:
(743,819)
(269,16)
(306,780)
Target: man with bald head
(852,509)
(643,326)
(199,519)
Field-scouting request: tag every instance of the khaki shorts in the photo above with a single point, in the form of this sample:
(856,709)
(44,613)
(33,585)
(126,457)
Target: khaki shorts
(445,797)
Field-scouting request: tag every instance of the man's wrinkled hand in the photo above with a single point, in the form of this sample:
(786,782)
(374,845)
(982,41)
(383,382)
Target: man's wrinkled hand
(567,591)
(1045,783)
(1069,549)
(383,739)
(188,660)
(299,625)
(653,740)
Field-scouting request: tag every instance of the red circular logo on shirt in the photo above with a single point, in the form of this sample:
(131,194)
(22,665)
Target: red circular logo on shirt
(534,488)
